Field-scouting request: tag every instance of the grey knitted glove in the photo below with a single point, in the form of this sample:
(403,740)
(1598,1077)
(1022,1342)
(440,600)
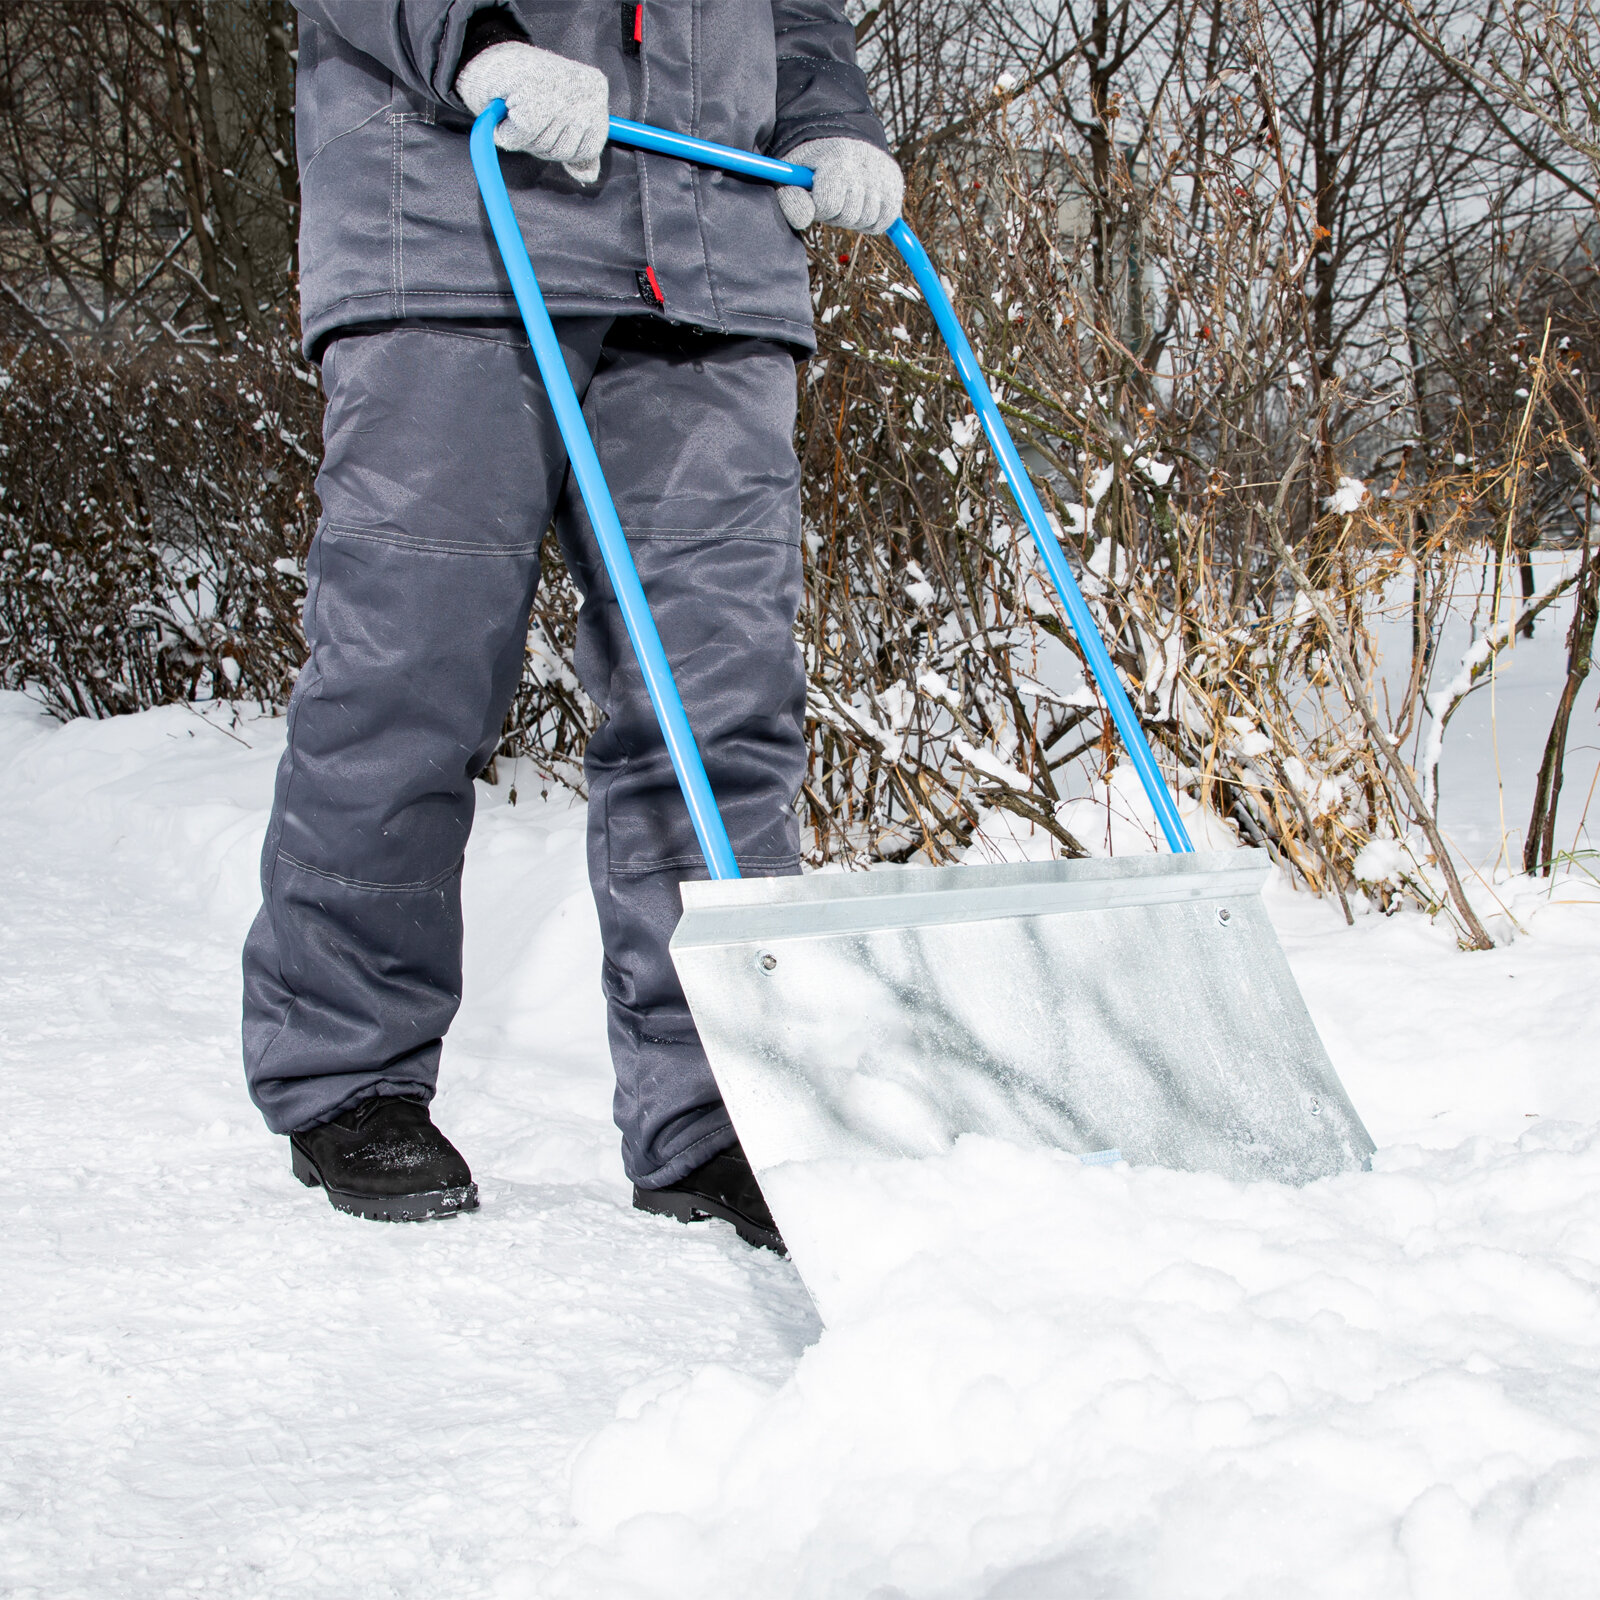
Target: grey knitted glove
(858,186)
(556,109)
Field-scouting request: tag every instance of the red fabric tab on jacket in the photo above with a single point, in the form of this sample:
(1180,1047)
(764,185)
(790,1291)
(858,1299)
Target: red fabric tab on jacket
(638,24)
(655,288)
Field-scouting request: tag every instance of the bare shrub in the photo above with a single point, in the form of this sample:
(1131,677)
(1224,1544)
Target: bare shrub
(1280,299)
(1184,448)
(154,524)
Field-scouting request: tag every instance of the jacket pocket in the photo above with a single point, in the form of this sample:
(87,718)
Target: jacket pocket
(338,90)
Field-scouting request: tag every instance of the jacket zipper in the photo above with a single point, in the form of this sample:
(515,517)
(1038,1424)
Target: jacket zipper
(632,27)
(649,289)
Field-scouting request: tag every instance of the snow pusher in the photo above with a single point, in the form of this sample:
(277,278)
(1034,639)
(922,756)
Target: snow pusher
(1138,1005)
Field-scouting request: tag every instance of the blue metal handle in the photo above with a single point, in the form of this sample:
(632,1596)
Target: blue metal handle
(662,142)
(749,165)
(1044,538)
(653,663)
(663,691)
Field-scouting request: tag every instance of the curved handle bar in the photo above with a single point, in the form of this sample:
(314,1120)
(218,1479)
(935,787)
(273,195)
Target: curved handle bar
(663,691)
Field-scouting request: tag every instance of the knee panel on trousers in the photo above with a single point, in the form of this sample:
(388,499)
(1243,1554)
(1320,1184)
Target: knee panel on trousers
(442,467)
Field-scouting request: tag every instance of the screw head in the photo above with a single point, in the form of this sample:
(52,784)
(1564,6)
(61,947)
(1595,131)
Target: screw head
(1224,916)
(768,961)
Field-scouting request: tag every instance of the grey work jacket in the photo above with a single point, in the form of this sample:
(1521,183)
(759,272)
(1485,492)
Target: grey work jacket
(392,226)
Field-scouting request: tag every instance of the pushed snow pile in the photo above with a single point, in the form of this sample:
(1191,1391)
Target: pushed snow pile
(1062,1380)
(1042,1381)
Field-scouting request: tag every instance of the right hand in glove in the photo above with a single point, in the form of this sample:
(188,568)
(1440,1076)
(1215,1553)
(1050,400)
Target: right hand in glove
(855,185)
(556,109)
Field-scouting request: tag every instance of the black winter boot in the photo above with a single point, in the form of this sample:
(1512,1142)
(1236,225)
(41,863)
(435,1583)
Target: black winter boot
(722,1187)
(384,1159)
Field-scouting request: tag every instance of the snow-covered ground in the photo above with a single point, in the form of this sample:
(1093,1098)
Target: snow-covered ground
(1048,1381)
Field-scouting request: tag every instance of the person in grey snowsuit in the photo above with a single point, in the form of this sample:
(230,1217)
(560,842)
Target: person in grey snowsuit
(681,300)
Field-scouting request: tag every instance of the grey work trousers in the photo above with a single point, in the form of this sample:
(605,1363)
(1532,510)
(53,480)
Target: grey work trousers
(442,470)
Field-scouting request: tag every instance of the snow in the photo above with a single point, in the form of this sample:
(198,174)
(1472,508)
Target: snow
(937,687)
(1158,472)
(1112,816)
(1049,1379)
(1383,861)
(991,766)
(921,593)
(1348,496)
(1490,752)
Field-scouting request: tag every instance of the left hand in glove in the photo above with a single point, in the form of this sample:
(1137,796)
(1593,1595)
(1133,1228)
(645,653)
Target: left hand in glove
(556,109)
(857,186)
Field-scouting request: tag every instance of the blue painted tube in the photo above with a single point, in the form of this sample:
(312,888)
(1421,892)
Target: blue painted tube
(1026,496)
(1044,538)
(661,142)
(663,691)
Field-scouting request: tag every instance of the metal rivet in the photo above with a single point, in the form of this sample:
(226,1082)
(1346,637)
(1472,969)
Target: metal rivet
(1224,916)
(768,962)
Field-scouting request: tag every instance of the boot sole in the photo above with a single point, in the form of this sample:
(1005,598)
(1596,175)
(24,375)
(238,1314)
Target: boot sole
(683,1207)
(421,1207)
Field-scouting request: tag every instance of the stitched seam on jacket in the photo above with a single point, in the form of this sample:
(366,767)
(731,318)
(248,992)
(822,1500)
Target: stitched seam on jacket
(362,883)
(436,547)
(555,299)
(397,209)
(334,138)
(506,297)
(394,215)
(697,175)
(640,160)
(400,213)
